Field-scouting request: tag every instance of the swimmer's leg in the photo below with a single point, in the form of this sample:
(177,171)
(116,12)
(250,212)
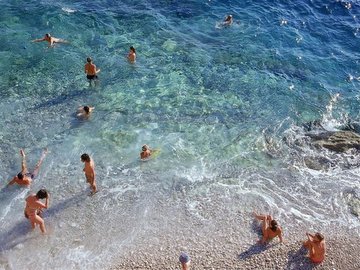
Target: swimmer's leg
(37,166)
(38,220)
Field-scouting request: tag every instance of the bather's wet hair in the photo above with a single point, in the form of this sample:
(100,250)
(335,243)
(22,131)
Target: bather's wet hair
(20,176)
(132,49)
(319,236)
(86,109)
(42,193)
(273,225)
(85,157)
(47,35)
(89,60)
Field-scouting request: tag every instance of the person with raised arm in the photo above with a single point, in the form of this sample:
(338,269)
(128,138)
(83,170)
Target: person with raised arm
(270,228)
(34,206)
(316,247)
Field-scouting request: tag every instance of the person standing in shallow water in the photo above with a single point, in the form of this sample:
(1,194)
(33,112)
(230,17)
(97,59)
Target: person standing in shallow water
(91,71)
(270,228)
(84,112)
(24,178)
(34,206)
(185,261)
(89,170)
(132,55)
(146,152)
(316,247)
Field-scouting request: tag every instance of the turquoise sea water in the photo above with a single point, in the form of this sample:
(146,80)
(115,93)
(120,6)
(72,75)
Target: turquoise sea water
(217,101)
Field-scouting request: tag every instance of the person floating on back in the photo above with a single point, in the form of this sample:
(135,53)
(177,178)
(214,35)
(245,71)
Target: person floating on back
(34,206)
(24,178)
(270,228)
(132,55)
(84,112)
(52,40)
(89,170)
(91,71)
(146,152)
(185,261)
(228,20)
(316,247)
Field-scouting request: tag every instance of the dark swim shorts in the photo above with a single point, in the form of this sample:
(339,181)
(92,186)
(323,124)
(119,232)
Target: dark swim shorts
(91,77)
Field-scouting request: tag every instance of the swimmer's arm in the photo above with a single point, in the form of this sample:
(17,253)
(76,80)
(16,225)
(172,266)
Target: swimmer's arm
(280,236)
(38,40)
(85,68)
(23,162)
(13,181)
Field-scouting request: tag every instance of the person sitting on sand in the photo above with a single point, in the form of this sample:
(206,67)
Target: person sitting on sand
(89,170)
(270,228)
(51,40)
(228,20)
(84,112)
(24,178)
(146,152)
(316,246)
(90,70)
(132,55)
(185,261)
(34,206)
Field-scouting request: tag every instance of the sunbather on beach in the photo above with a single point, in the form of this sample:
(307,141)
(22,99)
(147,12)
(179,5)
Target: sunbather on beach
(146,152)
(24,178)
(84,111)
(34,206)
(89,170)
(316,246)
(52,40)
(270,228)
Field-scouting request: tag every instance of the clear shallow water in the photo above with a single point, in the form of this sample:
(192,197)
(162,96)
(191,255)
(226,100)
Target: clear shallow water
(216,101)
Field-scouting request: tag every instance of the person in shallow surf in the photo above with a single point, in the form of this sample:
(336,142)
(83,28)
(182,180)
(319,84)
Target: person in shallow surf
(185,261)
(34,206)
(146,152)
(132,55)
(24,178)
(89,170)
(84,112)
(52,40)
(269,228)
(228,20)
(316,247)
(91,71)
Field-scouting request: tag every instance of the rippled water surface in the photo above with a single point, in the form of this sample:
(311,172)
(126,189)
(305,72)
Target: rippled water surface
(217,101)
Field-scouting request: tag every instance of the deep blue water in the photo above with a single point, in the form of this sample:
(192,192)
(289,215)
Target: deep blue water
(208,96)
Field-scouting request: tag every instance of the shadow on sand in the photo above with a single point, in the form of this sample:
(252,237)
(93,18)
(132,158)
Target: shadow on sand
(298,260)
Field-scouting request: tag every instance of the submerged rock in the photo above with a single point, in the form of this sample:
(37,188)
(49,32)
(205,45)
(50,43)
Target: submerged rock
(337,141)
(318,163)
(352,198)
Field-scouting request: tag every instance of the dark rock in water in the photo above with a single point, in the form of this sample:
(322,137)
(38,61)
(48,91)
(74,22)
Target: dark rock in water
(318,163)
(313,125)
(352,198)
(352,126)
(337,141)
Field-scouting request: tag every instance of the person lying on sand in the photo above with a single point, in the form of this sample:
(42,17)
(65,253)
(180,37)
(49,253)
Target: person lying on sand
(34,206)
(270,228)
(84,112)
(24,178)
(316,247)
(51,40)
(146,152)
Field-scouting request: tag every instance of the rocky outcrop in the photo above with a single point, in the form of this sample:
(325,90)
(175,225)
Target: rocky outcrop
(352,198)
(337,141)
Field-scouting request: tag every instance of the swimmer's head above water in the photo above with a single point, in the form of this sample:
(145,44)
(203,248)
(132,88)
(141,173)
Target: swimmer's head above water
(42,194)
(20,176)
(85,158)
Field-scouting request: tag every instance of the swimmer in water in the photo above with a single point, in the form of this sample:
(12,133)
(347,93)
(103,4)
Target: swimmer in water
(24,178)
(228,20)
(52,40)
(132,55)
(146,152)
(34,206)
(316,247)
(89,170)
(270,228)
(84,112)
(91,71)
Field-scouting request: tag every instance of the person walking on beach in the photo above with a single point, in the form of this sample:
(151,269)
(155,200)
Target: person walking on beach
(316,247)
(84,112)
(185,261)
(91,71)
(89,170)
(34,206)
(132,55)
(24,178)
(270,228)
(52,40)
(146,152)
